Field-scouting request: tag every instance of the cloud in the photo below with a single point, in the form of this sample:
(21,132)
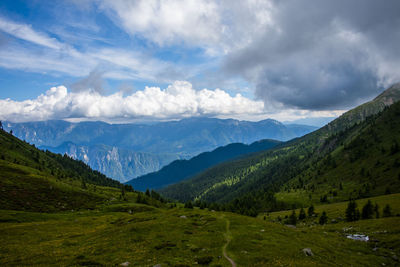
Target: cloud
(331,56)
(178,100)
(94,81)
(168,22)
(25,32)
(334,55)
(65,59)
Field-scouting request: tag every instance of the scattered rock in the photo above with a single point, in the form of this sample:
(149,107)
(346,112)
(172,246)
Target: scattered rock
(394,257)
(157,265)
(308,252)
(262,230)
(183,217)
(358,237)
(290,225)
(127,263)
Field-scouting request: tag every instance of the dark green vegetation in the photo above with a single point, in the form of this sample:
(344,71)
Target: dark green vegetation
(182,169)
(355,156)
(35,180)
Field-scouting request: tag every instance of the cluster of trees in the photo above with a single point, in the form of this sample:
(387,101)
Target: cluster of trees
(150,197)
(294,219)
(369,211)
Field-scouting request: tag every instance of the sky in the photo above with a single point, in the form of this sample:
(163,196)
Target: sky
(126,61)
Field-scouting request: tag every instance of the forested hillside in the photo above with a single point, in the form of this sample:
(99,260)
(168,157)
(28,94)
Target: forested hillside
(182,169)
(31,179)
(348,158)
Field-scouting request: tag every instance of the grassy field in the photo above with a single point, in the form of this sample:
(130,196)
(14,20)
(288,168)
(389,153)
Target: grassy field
(337,210)
(144,235)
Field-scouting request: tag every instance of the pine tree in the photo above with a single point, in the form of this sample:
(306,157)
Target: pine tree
(310,211)
(189,205)
(352,212)
(376,210)
(83,185)
(323,219)
(302,214)
(293,218)
(367,211)
(387,211)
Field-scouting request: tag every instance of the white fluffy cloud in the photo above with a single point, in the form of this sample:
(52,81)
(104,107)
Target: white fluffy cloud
(166,22)
(176,101)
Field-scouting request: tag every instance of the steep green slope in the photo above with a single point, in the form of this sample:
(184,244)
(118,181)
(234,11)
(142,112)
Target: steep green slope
(357,152)
(182,169)
(31,179)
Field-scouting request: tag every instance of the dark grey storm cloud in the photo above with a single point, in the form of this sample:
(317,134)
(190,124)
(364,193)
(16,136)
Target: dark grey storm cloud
(323,54)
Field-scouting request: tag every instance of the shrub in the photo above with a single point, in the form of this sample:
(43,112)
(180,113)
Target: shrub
(302,214)
(323,219)
(387,211)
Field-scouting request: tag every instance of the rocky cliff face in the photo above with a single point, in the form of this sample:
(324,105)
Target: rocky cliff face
(120,164)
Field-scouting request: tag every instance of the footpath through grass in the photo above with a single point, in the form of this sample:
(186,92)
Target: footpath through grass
(146,236)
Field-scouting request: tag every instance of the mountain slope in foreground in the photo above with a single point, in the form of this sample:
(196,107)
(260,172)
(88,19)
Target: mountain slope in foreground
(354,156)
(182,169)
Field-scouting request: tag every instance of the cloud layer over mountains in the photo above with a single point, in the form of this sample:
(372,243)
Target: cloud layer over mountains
(176,101)
(298,55)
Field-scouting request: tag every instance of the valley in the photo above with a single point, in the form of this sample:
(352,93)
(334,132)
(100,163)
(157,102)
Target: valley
(126,151)
(170,133)
(58,211)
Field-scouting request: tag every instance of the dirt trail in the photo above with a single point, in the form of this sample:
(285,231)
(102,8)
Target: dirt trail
(228,236)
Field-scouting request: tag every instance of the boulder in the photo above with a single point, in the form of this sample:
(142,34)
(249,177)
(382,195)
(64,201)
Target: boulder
(307,252)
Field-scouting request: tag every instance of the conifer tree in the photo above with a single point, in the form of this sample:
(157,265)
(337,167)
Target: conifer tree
(367,211)
(387,211)
(310,211)
(189,205)
(293,218)
(302,214)
(352,212)
(376,210)
(323,219)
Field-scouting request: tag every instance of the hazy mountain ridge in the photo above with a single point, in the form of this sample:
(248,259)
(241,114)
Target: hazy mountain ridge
(121,164)
(181,169)
(149,147)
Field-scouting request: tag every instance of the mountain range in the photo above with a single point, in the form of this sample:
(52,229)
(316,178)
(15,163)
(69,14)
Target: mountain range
(125,151)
